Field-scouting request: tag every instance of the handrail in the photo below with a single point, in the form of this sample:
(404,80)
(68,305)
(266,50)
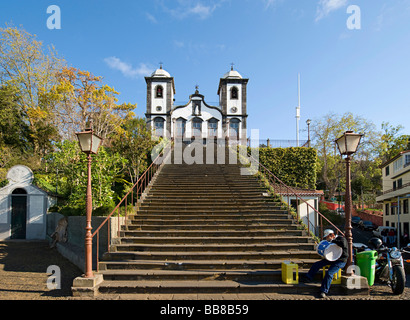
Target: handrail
(140,187)
(294,193)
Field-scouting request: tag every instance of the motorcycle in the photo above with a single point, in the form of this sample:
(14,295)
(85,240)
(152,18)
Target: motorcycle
(389,266)
(390,269)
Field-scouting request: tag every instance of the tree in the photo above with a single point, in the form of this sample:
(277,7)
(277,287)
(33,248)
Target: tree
(71,165)
(27,67)
(134,143)
(14,132)
(325,131)
(80,96)
(392,143)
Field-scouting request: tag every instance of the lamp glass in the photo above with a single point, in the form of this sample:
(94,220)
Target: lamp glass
(341,143)
(96,142)
(84,139)
(352,142)
(348,143)
(89,142)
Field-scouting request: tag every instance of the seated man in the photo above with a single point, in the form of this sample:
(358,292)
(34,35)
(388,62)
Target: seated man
(335,266)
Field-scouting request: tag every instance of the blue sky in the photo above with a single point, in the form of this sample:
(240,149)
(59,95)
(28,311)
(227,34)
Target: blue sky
(365,71)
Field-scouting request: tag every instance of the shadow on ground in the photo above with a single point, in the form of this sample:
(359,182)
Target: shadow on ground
(23,271)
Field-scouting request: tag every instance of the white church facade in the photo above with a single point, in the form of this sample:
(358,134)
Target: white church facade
(197,119)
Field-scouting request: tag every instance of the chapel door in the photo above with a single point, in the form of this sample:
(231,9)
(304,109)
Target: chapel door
(18,214)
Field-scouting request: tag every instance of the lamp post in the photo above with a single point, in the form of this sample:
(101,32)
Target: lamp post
(308,121)
(347,145)
(89,144)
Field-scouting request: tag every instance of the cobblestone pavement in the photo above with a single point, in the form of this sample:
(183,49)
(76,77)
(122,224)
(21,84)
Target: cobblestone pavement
(23,276)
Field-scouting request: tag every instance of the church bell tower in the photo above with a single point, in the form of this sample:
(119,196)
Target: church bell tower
(232,92)
(160,99)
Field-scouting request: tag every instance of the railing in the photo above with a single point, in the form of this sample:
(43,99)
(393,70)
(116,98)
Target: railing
(397,188)
(280,188)
(263,143)
(132,198)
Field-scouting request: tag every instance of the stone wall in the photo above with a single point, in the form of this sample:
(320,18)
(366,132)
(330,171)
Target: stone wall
(376,218)
(73,249)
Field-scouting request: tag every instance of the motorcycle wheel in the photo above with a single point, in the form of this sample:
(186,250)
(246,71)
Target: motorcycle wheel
(399,280)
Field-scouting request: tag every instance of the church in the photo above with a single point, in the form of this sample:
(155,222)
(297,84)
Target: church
(197,119)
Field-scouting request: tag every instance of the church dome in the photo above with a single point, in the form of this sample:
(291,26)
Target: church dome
(232,74)
(161,73)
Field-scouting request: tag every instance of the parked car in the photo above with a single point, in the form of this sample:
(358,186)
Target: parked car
(340,211)
(378,231)
(367,225)
(356,221)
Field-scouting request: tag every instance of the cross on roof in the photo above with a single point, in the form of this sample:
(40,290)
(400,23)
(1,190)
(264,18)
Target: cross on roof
(232,64)
(160,65)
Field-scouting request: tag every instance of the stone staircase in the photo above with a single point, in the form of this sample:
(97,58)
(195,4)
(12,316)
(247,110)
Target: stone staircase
(205,228)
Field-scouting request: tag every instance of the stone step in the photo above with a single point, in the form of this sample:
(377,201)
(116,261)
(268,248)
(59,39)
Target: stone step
(203,183)
(168,218)
(209,193)
(229,212)
(206,199)
(210,233)
(130,288)
(209,207)
(213,240)
(208,227)
(212,247)
(200,265)
(267,276)
(225,223)
(209,256)
(204,187)
(203,216)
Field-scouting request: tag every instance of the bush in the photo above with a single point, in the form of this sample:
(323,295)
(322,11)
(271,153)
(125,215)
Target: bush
(296,167)
(103,211)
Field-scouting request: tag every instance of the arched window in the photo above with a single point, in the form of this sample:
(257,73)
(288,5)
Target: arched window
(159,124)
(213,128)
(197,127)
(234,93)
(181,124)
(234,129)
(159,92)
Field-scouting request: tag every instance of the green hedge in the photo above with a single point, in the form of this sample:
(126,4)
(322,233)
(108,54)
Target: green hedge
(296,167)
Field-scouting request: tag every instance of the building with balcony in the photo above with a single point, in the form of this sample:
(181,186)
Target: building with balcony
(396,192)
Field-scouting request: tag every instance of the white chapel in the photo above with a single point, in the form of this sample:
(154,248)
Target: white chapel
(197,119)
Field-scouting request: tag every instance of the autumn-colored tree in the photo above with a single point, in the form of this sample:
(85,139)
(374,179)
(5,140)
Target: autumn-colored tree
(30,69)
(80,96)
